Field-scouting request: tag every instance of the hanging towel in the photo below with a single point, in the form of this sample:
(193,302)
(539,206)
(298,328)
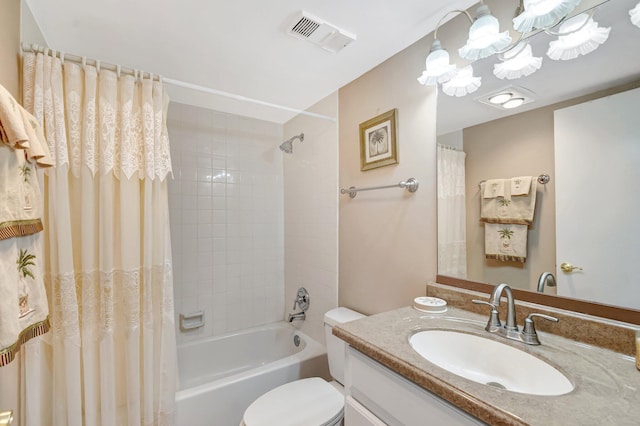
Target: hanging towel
(20,208)
(507,209)
(23,302)
(23,147)
(12,128)
(20,130)
(520,185)
(506,242)
(24,313)
(493,188)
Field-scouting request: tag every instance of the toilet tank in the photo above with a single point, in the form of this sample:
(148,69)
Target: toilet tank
(337,348)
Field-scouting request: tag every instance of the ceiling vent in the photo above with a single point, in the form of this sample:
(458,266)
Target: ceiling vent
(315,30)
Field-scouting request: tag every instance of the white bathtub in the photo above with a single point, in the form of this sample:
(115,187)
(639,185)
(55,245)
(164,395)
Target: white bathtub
(222,375)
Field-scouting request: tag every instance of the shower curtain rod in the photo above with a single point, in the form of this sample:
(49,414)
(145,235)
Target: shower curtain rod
(132,71)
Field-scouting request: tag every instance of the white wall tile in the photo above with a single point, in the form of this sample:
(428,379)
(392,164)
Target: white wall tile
(226,208)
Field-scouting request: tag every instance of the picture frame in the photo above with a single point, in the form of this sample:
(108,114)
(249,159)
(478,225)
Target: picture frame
(378,141)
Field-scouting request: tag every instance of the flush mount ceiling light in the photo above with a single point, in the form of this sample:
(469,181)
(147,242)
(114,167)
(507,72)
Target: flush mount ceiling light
(437,66)
(500,98)
(577,36)
(485,37)
(462,83)
(507,97)
(634,14)
(513,103)
(516,63)
(540,14)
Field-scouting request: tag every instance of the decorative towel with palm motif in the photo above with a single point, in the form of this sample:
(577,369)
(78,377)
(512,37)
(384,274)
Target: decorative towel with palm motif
(505,242)
(24,312)
(507,215)
(509,208)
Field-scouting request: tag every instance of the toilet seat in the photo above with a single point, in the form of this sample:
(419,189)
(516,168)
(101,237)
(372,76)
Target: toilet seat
(303,402)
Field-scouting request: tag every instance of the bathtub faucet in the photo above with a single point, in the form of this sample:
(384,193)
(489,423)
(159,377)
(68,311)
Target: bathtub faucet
(302,301)
(297,316)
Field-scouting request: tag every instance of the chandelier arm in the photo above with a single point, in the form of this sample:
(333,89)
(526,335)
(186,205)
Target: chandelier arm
(553,33)
(512,46)
(458,11)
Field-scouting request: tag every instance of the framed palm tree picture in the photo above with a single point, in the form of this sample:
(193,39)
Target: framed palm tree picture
(378,143)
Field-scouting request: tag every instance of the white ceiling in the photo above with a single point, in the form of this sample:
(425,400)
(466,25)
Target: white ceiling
(238,46)
(241,47)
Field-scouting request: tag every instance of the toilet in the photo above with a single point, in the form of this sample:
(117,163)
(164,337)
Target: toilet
(308,402)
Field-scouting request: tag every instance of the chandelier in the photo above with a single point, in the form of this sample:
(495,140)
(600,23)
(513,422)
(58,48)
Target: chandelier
(575,36)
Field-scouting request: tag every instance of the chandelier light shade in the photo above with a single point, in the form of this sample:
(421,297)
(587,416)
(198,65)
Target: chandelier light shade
(462,83)
(518,62)
(635,15)
(540,14)
(437,66)
(580,35)
(485,37)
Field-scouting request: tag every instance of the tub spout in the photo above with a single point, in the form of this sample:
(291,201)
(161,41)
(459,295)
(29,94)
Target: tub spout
(297,316)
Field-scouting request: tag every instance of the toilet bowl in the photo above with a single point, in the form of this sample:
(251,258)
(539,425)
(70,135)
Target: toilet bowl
(308,402)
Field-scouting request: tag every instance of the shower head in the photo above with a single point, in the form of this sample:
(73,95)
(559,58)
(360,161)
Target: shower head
(287,146)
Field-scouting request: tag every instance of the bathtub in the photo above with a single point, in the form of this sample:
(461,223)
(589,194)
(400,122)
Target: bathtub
(222,375)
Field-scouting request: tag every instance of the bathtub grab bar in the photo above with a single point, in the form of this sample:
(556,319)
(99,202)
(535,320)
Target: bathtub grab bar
(192,321)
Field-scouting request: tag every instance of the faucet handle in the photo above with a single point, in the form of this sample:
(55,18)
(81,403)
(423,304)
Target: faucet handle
(494,319)
(529,332)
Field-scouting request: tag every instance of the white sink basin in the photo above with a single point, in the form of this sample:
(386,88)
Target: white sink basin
(489,362)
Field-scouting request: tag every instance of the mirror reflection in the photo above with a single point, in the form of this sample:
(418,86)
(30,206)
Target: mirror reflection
(577,127)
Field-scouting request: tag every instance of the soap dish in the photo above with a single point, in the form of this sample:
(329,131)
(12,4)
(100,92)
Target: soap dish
(433,305)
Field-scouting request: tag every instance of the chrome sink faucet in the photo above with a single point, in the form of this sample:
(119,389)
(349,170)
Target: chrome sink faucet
(510,329)
(511,306)
(546,278)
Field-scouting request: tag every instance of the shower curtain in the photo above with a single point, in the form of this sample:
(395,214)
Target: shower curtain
(452,235)
(112,354)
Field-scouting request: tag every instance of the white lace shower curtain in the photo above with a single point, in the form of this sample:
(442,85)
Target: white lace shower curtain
(108,270)
(452,234)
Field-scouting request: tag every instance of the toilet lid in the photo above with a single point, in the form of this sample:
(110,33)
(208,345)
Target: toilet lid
(303,402)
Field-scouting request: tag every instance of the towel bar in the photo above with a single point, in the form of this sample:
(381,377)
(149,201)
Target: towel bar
(543,179)
(411,185)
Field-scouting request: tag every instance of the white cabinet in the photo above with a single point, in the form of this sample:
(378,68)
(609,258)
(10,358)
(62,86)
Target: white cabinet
(394,400)
(355,414)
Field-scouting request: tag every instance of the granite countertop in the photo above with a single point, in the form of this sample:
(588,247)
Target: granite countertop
(606,383)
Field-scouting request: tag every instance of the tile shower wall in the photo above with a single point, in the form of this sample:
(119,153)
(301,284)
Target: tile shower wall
(311,214)
(226,206)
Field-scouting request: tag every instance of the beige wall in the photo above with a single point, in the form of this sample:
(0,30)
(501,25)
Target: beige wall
(311,215)
(10,45)
(387,243)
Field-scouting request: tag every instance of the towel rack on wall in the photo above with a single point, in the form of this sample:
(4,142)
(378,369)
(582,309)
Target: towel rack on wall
(543,179)
(410,185)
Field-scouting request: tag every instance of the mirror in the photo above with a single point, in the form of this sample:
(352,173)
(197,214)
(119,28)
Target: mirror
(520,142)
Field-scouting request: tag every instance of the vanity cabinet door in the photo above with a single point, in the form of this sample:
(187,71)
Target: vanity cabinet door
(394,399)
(357,415)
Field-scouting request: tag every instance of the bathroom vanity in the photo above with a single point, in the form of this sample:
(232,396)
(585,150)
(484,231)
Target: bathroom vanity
(396,385)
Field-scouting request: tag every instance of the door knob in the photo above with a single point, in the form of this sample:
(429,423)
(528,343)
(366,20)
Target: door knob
(567,267)
(6,417)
